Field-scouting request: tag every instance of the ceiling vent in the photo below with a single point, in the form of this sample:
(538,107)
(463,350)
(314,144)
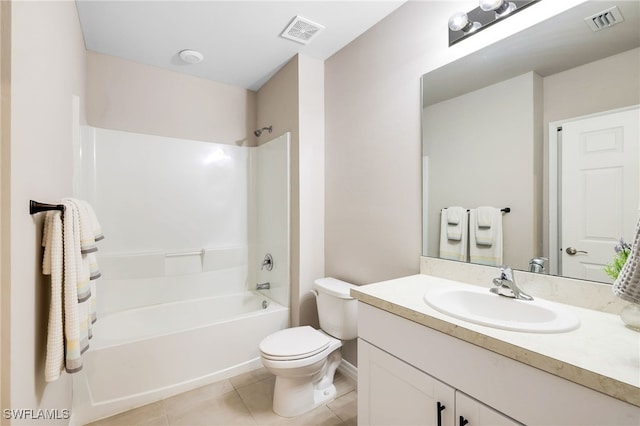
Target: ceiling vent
(302,30)
(605,19)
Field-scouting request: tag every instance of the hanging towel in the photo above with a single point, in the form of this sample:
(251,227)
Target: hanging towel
(52,264)
(485,244)
(451,248)
(455,217)
(627,285)
(72,307)
(484,229)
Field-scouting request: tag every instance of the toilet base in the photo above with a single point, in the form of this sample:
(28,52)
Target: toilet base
(293,396)
(291,400)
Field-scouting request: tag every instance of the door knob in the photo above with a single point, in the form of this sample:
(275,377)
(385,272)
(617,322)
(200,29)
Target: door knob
(572,250)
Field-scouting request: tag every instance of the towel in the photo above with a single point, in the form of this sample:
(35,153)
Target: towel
(453,249)
(627,285)
(454,217)
(72,309)
(52,264)
(480,251)
(484,231)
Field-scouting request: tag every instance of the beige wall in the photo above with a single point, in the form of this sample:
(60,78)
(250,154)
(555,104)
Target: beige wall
(47,69)
(277,105)
(5,202)
(124,95)
(292,101)
(311,177)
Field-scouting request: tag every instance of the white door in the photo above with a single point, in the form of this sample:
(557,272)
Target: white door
(599,191)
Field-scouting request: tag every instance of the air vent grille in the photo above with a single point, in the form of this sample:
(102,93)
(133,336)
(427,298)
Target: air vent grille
(301,30)
(605,19)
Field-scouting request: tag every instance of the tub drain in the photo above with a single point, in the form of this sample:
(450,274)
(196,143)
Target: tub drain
(265,304)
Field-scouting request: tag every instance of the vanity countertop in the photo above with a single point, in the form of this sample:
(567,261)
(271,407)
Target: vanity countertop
(602,354)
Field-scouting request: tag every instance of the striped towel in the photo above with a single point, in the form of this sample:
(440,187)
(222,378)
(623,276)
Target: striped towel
(70,260)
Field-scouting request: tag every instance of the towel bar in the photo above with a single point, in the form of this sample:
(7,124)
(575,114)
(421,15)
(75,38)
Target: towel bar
(36,207)
(504,210)
(185,253)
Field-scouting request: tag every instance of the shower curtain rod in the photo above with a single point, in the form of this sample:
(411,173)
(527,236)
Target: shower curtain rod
(37,207)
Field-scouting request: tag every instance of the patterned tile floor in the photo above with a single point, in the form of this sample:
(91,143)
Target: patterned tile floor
(242,400)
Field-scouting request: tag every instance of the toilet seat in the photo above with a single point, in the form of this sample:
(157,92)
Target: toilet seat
(294,343)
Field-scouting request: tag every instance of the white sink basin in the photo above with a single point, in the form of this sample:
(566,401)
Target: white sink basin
(482,307)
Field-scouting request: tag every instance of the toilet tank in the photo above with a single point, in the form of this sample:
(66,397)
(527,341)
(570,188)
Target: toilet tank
(337,310)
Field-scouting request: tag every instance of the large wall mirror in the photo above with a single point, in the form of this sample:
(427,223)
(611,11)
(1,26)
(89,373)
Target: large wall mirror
(497,124)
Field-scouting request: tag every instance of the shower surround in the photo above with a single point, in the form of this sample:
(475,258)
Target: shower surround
(187,224)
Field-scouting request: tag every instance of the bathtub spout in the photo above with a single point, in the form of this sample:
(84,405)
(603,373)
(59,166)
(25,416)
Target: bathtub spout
(263,286)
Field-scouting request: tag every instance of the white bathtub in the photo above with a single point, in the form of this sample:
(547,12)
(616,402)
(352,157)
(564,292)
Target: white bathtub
(142,355)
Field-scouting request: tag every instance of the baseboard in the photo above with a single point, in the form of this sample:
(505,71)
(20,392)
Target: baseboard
(348,370)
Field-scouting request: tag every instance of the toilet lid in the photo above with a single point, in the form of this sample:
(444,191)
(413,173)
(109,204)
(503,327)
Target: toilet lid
(294,343)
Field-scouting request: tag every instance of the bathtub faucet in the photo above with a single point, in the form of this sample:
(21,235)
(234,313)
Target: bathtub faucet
(263,286)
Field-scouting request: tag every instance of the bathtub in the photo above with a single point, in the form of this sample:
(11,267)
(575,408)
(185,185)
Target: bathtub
(142,355)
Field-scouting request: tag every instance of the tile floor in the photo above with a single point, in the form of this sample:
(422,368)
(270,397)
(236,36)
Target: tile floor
(242,400)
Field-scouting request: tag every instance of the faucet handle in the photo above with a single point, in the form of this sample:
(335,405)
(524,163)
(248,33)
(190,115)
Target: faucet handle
(506,273)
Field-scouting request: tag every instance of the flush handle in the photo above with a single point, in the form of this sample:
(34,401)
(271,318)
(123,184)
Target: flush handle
(572,251)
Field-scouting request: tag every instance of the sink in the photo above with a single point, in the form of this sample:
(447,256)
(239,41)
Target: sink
(482,307)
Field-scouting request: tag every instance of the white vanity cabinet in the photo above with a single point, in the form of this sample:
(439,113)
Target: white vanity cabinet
(406,371)
(392,392)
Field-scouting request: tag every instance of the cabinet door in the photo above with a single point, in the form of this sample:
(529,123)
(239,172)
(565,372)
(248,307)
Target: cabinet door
(391,392)
(470,412)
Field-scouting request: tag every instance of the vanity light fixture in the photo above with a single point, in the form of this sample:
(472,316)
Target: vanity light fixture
(462,25)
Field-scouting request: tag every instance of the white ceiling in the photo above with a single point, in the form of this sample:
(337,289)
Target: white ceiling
(240,40)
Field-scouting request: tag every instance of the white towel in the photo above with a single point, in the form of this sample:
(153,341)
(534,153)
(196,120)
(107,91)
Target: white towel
(453,249)
(72,309)
(484,230)
(479,251)
(52,264)
(627,285)
(454,218)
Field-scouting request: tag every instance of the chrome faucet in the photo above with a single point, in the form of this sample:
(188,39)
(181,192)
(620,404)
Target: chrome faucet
(267,262)
(263,286)
(536,265)
(505,285)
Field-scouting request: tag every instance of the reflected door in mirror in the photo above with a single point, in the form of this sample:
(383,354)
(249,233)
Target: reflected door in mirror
(600,190)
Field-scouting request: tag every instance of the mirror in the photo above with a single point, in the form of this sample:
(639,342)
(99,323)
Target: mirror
(486,123)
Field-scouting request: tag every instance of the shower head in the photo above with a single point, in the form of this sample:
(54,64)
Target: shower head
(259,131)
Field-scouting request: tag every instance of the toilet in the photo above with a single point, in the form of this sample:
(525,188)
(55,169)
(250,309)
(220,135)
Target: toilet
(303,359)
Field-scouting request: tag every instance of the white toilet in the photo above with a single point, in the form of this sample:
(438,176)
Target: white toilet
(303,359)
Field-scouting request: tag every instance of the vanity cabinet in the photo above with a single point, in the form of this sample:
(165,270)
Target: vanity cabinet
(392,392)
(407,371)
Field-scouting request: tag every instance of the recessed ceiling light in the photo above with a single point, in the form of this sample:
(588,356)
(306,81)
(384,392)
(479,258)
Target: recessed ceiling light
(191,56)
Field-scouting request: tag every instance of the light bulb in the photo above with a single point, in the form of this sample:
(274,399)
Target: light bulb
(460,22)
(501,7)
(488,5)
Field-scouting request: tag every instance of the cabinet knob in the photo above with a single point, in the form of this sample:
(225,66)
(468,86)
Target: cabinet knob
(463,421)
